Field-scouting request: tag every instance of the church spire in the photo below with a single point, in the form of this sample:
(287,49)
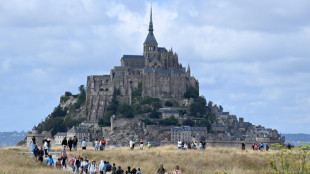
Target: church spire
(151,21)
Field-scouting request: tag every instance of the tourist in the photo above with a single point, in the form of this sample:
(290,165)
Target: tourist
(45,148)
(195,145)
(243,146)
(32,143)
(102,143)
(139,171)
(255,147)
(40,155)
(96,144)
(77,165)
(185,146)
(64,142)
(102,166)
(70,142)
(120,170)
(134,171)
(200,145)
(92,168)
(161,170)
(108,168)
(131,144)
(48,140)
(179,144)
(58,163)
(204,144)
(141,144)
(64,160)
(49,162)
(74,143)
(72,163)
(85,165)
(177,170)
(189,145)
(63,150)
(267,147)
(84,144)
(35,151)
(128,171)
(113,169)
(149,145)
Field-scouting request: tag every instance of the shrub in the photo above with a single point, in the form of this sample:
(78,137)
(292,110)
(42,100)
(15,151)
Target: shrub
(169,121)
(168,104)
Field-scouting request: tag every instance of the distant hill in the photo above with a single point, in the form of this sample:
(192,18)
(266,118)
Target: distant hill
(11,138)
(297,138)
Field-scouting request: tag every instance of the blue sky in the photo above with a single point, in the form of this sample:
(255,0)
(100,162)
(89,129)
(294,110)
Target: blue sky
(251,57)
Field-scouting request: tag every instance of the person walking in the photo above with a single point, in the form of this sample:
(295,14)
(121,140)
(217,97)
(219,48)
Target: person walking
(70,143)
(139,171)
(84,144)
(92,168)
(96,144)
(243,146)
(64,142)
(149,145)
(177,170)
(45,148)
(120,170)
(49,148)
(40,155)
(141,144)
(32,143)
(35,152)
(131,144)
(74,143)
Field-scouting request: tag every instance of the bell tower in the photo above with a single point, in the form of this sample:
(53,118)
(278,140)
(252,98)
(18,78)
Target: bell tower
(150,46)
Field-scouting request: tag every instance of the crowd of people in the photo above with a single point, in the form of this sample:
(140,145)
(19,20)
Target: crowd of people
(191,145)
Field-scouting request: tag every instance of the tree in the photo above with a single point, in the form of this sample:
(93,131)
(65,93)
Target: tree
(198,107)
(154,114)
(191,93)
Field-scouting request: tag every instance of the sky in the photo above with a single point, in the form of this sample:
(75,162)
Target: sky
(251,57)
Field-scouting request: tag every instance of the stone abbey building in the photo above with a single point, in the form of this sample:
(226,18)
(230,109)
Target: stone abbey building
(157,70)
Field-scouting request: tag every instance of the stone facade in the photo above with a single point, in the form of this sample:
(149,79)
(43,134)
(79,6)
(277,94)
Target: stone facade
(157,70)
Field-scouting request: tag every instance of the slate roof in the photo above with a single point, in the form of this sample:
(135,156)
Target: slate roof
(60,134)
(133,57)
(188,128)
(150,39)
(162,49)
(177,71)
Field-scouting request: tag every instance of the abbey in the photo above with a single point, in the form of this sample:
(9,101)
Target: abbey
(158,72)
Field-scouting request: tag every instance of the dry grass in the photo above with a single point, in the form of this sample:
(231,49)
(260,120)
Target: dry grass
(13,161)
(211,160)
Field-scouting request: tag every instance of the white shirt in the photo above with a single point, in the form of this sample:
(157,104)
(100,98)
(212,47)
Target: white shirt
(179,143)
(131,143)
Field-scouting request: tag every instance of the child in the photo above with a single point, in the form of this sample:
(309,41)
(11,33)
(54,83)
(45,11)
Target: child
(50,162)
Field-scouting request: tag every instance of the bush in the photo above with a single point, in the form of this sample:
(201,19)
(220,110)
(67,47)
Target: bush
(188,122)
(154,114)
(148,122)
(169,121)
(168,104)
